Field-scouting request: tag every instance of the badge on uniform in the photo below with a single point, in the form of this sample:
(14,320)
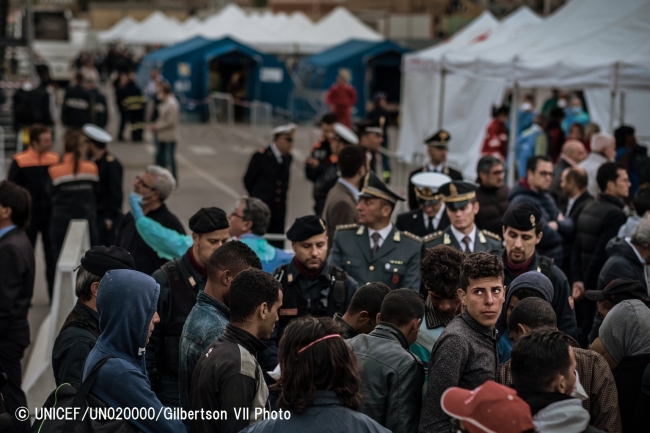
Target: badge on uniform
(288,312)
(395,279)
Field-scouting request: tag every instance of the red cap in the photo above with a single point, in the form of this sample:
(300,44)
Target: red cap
(490,408)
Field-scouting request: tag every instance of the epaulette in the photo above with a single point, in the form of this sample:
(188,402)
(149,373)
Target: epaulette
(492,235)
(110,158)
(346,227)
(412,236)
(262,150)
(432,236)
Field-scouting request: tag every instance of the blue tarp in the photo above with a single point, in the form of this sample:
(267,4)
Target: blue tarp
(186,66)
(374,66)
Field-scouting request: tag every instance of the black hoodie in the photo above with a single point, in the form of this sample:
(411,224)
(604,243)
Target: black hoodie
(623,262)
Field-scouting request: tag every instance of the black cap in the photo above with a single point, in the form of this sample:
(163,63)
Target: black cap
(305,227)
(457,193)
(439,138)
(209,219)
(373,187)
(522,216)
(101,259)
(621,289)
(368,127)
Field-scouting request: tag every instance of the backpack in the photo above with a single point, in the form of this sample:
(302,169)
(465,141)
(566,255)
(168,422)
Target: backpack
(77,395)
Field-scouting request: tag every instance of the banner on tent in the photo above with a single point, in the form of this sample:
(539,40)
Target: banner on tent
(415,64)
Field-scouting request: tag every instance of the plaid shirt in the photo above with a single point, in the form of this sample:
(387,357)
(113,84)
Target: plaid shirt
(597,380)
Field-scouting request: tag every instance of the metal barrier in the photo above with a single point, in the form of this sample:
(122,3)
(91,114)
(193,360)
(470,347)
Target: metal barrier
(261,118)
(222,108)
(38,380)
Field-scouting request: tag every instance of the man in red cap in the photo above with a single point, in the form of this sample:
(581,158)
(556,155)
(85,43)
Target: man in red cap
(487,409)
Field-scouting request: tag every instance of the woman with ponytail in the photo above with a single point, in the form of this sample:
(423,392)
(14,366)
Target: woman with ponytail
(319,385)
(73,190)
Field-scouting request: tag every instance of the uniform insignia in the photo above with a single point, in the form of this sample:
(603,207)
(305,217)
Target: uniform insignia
(191,280)
(322,223)
(412,236)
(447,240)
(443,136)
(394,262)
(396,237)
(532,220)
(452,190)
(481,238)
(432,236)
(346,226)
(110,158)
(395,280)
(360,231)
(492,235)
(415,216)
(289,278)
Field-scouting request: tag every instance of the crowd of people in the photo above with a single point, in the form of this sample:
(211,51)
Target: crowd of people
(479,309)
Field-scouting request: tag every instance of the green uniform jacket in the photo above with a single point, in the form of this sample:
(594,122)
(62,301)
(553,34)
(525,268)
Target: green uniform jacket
(485,241)
(396,263)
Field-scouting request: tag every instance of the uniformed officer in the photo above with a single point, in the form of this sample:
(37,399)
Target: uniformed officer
(310,286)
(374,250)
(75,110)
(437,148)
(462,207)
(267,177)
(108,190)
(180,283)
(371,136)
(431,216)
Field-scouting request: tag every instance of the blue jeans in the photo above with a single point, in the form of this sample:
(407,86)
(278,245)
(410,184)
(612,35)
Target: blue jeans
(166,155)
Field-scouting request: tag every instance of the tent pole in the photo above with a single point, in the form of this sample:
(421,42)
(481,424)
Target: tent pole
(441,106)
(513,134)
(612,101)
(621,109)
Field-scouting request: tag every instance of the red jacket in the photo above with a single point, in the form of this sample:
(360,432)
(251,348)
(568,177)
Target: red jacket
(341,98)
(496,140)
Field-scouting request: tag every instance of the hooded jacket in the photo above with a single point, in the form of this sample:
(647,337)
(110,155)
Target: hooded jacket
(126,302)
(564,416)
(623,262)
(534,281)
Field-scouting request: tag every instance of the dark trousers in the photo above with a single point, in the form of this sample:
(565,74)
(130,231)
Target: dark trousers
(166,155)
(124,117)
(10,355)
(585,311)
(41,223)
(276,226)
(105,236)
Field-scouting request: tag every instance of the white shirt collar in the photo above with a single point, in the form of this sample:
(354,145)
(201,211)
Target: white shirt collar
(638,255)
(383,233)
(436,218)
(354,190)
(459,236)
(439,168)
(276,152)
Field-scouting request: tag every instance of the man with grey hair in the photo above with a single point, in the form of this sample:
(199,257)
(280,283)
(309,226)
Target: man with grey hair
(151,189)
(603,149)
(248,223)
(492,193)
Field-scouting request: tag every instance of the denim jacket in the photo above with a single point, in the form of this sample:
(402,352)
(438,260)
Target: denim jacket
(206,322)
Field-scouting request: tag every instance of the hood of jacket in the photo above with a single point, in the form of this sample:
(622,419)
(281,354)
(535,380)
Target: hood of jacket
(126,302)
(620,247)
(626,330)
(566,416)
(517,284)
(522,188)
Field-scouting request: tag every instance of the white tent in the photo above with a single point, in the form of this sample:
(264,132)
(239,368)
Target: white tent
(421,86)
(156,29)
(118,30)
(231,21)
(336,27)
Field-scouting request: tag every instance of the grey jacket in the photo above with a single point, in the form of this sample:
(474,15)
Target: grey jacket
(391,378)
(465,356)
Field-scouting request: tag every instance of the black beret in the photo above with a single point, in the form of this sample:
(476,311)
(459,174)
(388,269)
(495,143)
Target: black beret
(209,219)
(305,227)
(522,216)
(101,259)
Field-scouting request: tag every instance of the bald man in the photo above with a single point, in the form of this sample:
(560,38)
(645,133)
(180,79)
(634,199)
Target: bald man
(603,149)
(573,153)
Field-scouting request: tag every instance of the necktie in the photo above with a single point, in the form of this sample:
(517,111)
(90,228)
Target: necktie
(466,242)
(430,226)
(375,242)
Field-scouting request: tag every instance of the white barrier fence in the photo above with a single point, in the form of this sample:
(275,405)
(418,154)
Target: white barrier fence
(38,380)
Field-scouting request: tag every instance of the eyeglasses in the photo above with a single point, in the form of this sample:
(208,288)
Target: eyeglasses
(546,173)
(237,215)
(139,180)
(289,139)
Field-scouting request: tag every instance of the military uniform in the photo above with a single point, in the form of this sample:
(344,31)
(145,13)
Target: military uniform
(440,138)
(425,186)
(396,263)
(483,241)
(413,222)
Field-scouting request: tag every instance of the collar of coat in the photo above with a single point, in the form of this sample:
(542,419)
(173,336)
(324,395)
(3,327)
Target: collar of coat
(483,330)
(390,332)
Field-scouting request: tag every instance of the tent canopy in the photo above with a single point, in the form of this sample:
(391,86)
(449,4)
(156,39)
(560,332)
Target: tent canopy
(156,29)
(586,43)
(371,64)
(118,30)
(187,66)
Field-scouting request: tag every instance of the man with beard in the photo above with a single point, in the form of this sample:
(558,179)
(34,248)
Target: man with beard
(522,231)
(310,286)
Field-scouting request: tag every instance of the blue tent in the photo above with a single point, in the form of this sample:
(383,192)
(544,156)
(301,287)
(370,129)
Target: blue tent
(199,66)
(374,66)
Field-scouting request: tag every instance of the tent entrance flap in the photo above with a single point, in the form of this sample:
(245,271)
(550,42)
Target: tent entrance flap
(384,75)
(229,73)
